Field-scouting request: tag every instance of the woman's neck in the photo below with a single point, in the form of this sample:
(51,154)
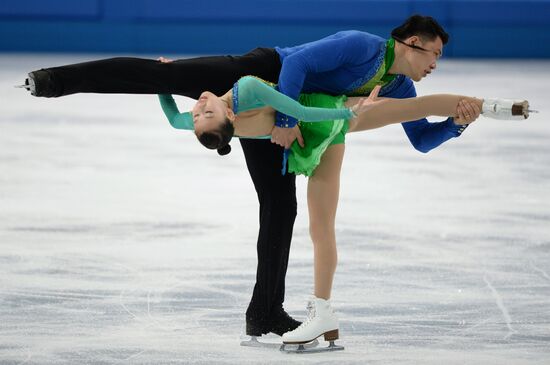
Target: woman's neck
(251,123)
(228,99)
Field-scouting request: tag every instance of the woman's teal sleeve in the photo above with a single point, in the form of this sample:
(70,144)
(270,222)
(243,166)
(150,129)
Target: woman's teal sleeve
(286,105)
(177,120)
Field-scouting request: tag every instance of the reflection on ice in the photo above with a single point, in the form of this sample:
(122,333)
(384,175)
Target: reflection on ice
(123,241)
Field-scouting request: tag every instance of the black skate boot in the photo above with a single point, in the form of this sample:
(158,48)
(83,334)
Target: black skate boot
(255,327)
(40,83)
(280,322)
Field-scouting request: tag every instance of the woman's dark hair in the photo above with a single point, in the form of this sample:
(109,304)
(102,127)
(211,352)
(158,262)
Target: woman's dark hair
(425,27)
(219,139)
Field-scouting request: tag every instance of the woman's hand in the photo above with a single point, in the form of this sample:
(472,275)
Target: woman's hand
(366,104)
(164,60)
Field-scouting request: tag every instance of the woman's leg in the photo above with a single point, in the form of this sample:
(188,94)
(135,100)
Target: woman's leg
(322,197)
(389,111)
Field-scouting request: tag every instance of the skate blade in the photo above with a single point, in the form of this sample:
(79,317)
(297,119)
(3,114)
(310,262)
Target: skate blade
(307,349)
(253,342)
(532,111)
(22,87)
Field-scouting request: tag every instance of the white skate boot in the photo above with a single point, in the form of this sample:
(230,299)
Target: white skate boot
(321,320)
(506,109)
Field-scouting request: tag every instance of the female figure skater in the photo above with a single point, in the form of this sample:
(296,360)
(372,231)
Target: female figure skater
(248,111)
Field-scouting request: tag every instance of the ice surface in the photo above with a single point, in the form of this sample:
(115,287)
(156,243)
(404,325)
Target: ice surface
(123,241)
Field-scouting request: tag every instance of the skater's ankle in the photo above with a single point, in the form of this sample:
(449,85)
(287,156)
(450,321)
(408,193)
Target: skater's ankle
(321,296)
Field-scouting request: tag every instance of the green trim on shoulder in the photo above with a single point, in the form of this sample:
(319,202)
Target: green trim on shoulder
(388,61)
(381,77)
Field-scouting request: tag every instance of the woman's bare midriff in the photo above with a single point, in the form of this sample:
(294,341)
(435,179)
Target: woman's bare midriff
(253,123)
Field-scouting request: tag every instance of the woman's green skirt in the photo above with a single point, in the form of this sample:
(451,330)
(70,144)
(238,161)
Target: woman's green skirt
(318,136)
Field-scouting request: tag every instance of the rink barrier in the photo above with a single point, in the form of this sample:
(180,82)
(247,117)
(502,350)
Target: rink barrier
(509,29)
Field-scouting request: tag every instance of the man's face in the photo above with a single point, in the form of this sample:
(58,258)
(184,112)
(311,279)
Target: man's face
(423,57)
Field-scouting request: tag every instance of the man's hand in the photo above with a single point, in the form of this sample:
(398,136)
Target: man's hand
(285,136)
(164,60)
(467,112)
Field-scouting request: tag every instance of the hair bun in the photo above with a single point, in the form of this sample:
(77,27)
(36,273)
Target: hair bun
(224,150)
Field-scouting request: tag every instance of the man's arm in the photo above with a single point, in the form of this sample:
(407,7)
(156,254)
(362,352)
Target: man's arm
(320,56)
(423,135)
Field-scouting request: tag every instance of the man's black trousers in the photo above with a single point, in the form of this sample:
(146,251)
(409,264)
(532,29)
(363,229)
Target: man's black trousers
(190,77)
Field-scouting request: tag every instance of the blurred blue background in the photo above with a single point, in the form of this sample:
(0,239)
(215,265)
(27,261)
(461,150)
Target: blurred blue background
(500,29)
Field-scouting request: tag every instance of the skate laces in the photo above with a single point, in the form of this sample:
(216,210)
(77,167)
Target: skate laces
(310,313)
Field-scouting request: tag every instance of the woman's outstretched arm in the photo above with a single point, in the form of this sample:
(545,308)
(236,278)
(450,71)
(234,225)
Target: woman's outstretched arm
(282,103)
(177,120)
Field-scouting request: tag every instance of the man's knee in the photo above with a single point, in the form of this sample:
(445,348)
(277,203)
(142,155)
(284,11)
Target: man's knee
(281,205)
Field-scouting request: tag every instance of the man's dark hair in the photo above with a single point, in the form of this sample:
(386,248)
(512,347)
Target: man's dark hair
(219,140)
(425,27)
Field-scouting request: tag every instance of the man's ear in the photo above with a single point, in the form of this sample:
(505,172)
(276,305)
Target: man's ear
(412,39)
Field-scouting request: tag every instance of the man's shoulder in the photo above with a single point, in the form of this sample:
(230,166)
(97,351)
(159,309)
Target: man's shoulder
(353,38)
(358,35)
(401,87)
(361,41)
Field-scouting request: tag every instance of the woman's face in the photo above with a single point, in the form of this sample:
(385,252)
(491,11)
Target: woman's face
(209,113)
